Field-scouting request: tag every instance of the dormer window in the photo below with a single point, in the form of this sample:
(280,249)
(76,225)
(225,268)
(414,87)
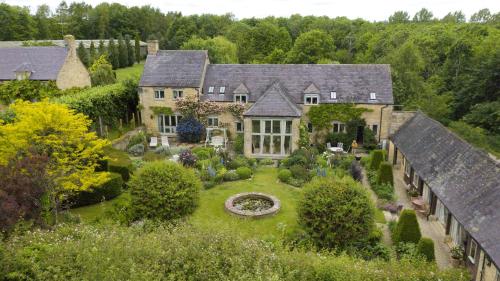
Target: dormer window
(211,89)
(222,90)
(23,75)
(241,98)
(333,95)
(311,99)
(373,96)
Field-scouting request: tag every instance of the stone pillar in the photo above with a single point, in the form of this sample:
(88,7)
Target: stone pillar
(153,47)
(247,136)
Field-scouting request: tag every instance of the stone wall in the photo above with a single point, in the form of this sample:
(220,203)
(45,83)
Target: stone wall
(398,118)
(73,73)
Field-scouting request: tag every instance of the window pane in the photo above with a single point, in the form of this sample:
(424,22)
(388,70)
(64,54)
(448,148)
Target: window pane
(276,144)
(174,120)
(276,126)
(288,148)
(244,99)
(160,123)
(256,144)
(167,120)
(268,127)
(335,127)
(288,127)
(266,146)
(256,126)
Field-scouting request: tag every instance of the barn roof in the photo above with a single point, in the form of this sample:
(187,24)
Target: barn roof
(44,63)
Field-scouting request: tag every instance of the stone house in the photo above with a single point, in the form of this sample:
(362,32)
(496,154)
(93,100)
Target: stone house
(277,97)
(59,64)
(460,186)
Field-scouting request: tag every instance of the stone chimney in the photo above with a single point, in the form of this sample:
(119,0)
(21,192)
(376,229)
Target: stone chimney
(153,47)
(69,41)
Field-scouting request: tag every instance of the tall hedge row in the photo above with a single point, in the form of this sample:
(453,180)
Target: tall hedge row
(376,159)
(407,230)
(385,173)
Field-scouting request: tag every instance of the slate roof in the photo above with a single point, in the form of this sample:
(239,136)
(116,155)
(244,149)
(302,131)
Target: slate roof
(61,43)
(274,102)
(464,178)
(44,62)
(352,82)
(169,68)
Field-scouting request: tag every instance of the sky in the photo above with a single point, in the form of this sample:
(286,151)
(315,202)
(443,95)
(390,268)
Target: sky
(371,10)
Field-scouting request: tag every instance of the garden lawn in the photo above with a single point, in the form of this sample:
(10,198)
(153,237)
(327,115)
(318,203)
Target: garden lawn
(96,212)
(211,214)
(134,71)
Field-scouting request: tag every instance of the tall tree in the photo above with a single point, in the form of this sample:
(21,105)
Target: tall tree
(399,17)
(102,49)
(423,15)
(92,53)
(312,47)
(43,22)
(130,51)
(220,50)
(83,54)
(137,48)
(482,16)
(455,17)
(122,52)
(113,54)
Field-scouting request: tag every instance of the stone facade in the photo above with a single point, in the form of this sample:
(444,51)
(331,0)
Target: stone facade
(73,73)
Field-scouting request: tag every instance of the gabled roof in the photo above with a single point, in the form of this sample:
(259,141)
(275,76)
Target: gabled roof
(274,102)
(43,62)
(241,89)
(311,89)
(464,178)
(61,43)
(178,68)
(352,82)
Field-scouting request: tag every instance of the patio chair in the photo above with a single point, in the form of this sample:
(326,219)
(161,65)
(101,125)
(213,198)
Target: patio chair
(153,142)
(340,145)
(217,141)
(328,145)
(164,141)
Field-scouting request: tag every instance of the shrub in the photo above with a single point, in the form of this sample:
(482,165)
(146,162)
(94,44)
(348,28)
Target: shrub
(284,175)
(190,130)
(239,144)
(321,162)
(237,162)
(425,247)
(121,168)
(101,72)
(209,184)
(334,138)
(336,212)
(231,176)
(266,162)
(356,171)
(303,157)
(299,172)
(385,174)
(296,182)
(244,172)
(119,162)
(384,191)
(369,141)
(187,158)
(137,150)
(407,230)
(203,153)
(151,156)
(219,177)
(376,158)
(106,191)
(164,190)
(137,139)
(163,150)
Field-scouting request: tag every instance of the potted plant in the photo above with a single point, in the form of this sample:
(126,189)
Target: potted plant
(457,255)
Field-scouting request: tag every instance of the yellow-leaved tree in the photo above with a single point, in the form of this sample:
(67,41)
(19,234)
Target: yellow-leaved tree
(54,130)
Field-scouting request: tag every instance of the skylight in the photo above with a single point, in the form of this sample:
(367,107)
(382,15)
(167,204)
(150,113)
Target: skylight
(211,89)
(373,96)
(333,95)
(222,90)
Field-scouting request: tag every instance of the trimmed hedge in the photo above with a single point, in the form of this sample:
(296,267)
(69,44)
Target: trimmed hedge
(119,162)
(407,230)
(244,172)
(106,191)
(425,247)
(384,175)
(284,175)
(376,158)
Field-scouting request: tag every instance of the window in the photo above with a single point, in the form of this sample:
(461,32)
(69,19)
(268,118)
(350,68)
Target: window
(178,94)
(415,179)
(338,127)
(333,95)
(213,121)
(407,167)
(240,98)
(271,136)
(222,90)
(239,127)
(211,90)
(472,251)
(375,129)
(310,127)
(373,96)
(167,123)
(311,99)
(159,94)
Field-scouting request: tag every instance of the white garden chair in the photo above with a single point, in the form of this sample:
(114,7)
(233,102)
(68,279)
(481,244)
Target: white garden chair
(340,145)
(164,141)
(217,141)
(153,142)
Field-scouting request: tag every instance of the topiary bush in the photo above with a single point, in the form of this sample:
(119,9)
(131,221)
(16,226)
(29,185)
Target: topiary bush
(137,150)
(190,130)
(377,157)
(425,247)
(384,191)
(336,212)
(187,158)
(407,230)
(164,191)
(384,175)
(231,176)
(284,175)
(106,191)
(244,172)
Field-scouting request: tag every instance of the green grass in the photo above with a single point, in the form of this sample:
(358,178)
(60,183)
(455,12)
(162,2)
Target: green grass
(211,214)
(134,71)
(97,211)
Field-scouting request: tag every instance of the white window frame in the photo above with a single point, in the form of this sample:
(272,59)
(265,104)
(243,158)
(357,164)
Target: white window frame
(211,89)
(238,98)
(159,94)
(407,167)
(222,90)
(242,127)
(333,95)
(177,94)
(373,96)
(213,121)
(338,127)
(168,129)
(472,248)
(282,135)
(311,98)
(415,179)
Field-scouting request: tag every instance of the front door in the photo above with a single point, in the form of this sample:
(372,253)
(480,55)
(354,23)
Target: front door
(359,134)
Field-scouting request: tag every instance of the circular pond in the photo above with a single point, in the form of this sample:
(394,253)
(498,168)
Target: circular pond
(252,204)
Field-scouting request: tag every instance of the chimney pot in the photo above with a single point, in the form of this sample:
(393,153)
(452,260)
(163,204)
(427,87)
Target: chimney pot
(153,47)
(70,43)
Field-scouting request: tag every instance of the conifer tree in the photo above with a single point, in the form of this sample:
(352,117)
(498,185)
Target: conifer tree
(122,52)
(92,53)
(130,51)
(113,54)
(82,54)
(102,49)
(137,48)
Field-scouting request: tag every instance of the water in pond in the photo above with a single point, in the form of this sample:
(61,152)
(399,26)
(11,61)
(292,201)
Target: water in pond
(253,204)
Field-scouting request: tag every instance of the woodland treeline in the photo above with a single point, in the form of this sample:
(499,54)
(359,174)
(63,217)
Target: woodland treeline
(448,67)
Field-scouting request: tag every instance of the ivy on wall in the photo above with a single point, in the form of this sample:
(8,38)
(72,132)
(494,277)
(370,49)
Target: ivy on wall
(157,110)
(322,116)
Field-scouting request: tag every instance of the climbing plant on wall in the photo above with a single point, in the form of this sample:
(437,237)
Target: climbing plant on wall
(323,115)
(236,109)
